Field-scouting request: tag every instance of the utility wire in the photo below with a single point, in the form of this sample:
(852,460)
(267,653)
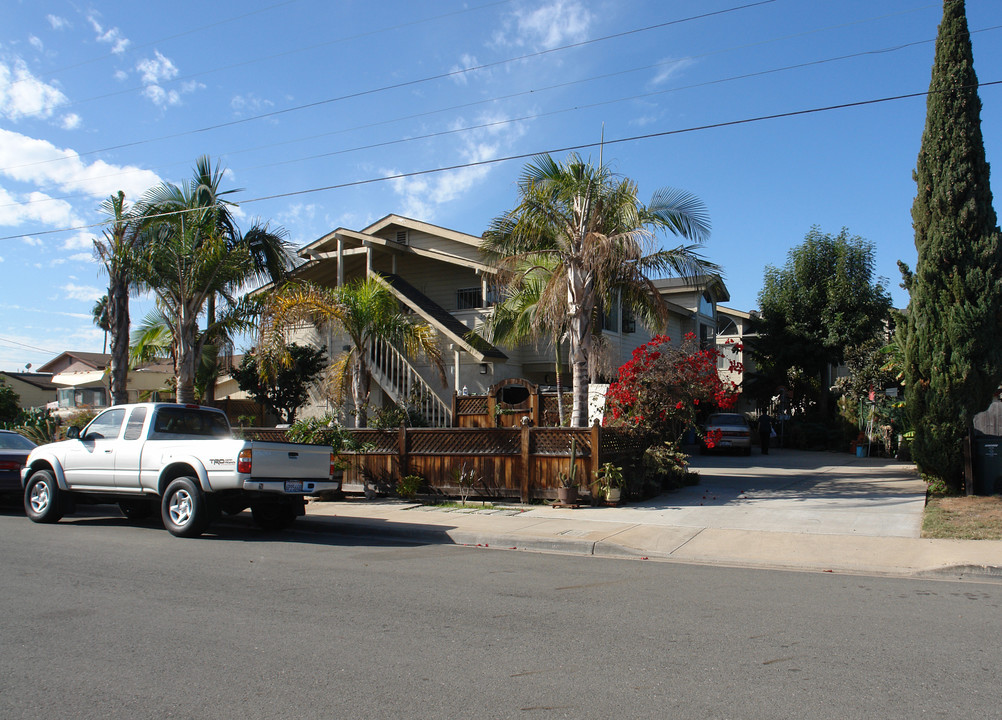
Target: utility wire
(403,84)
(523,156)
(534,91)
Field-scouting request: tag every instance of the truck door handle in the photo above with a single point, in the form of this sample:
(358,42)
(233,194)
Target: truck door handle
(293,456)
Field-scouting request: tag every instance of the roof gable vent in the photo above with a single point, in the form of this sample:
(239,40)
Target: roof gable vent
(401,237)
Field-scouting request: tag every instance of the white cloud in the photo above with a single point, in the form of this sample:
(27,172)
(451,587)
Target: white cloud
(423,194)
(548,26)
(669,68)
(56,22)
(156,69)
(82,292)
(160,69)
(70,121)
(113,36)
(42,164)
(24,95)
(36,43)
(121,75)
(250,104)
(37,207)
(81,257)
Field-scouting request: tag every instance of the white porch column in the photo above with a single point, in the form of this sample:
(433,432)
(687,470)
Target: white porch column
(340,261)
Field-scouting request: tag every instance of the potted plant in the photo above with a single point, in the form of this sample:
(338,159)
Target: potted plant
(567,493)
(610,482)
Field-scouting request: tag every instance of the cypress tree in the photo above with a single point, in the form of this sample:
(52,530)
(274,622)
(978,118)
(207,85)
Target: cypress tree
(953,342)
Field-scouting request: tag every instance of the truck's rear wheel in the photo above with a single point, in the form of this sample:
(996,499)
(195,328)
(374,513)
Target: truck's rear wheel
(273,516)
(42,501)
(183,508)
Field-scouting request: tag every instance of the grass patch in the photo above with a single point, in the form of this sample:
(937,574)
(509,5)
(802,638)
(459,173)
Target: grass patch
(469,505)
(963,518)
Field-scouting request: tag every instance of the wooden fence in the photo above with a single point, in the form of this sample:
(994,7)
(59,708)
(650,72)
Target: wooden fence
(515,463)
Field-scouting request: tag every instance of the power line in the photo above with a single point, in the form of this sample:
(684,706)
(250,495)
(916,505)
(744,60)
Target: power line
(523,156)
(535,91)
(402,84)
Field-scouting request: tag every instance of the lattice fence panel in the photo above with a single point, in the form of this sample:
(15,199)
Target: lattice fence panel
(471,404)
(377,441)
(557,441)
(464,441)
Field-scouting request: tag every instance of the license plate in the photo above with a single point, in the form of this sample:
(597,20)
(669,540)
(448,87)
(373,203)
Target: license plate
(725,443)
(293,486)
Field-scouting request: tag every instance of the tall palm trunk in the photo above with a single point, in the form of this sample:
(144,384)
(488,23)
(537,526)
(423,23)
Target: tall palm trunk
(580,303)
(360,388)
(118,310)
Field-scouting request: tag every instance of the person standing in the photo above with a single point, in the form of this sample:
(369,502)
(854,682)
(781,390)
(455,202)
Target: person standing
(764,432)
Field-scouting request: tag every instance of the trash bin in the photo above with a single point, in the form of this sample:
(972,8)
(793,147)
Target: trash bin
(987,465)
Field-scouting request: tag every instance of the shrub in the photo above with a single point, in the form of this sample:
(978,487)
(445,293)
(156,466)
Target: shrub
(409,485)
(663,388)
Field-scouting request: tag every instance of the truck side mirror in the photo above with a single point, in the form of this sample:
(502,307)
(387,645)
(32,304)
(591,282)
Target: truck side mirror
(72,432)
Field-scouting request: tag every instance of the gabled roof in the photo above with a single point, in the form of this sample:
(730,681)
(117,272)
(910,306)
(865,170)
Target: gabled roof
(713,283)
(409,223)
(92,360)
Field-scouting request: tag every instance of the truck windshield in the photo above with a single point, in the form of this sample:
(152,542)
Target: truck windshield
(172,422)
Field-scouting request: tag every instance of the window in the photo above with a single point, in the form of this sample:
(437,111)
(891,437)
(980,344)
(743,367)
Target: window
(469,298)
(629,321)
(82,397)
(173,421)
(134,428)
(105,426)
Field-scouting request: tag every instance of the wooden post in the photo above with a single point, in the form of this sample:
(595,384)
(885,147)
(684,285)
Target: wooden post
(526,465)
(455,418)
(534,407)
(402,451)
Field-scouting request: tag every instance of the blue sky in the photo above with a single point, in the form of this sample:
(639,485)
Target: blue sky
(295,95)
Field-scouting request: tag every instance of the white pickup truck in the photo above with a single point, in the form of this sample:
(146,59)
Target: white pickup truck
(182,458)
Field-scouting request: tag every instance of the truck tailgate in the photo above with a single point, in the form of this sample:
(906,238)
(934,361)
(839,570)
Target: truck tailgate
(289,461)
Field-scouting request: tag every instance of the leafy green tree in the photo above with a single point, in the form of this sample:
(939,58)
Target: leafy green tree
(589,226)
(953,346)
(195,256)
(364,311)
(289,388)
(824,300)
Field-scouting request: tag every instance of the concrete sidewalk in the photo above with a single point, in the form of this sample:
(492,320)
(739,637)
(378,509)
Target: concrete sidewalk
(793,510)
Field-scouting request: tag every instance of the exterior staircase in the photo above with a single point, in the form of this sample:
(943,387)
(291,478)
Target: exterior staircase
(405,386)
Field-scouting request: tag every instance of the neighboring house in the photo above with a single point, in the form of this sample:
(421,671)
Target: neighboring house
(733,327)
(34,390)
(439,275)
(82,381)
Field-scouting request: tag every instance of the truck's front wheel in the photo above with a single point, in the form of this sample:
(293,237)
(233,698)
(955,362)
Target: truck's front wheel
(42,501)
(184,509)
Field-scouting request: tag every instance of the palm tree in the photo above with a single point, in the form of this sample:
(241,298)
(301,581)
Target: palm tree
(522,316)
(102,319)
(588,225)
(117,251)
(364,311)
(196,256)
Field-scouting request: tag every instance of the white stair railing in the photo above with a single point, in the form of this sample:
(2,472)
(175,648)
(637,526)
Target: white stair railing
(405,385)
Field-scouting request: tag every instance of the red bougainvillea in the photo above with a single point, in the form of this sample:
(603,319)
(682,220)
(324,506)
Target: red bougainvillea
(661,387)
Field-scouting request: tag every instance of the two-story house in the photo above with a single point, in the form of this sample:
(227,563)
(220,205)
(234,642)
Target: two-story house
(439,275)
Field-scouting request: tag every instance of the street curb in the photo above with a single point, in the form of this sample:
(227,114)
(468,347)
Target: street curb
(981,571)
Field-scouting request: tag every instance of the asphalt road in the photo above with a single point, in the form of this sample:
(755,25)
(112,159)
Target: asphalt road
(103,619)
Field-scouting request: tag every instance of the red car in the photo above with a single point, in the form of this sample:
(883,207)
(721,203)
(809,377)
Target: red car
(14,449)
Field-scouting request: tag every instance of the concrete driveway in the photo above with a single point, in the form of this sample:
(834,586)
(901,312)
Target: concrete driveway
(786,491)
